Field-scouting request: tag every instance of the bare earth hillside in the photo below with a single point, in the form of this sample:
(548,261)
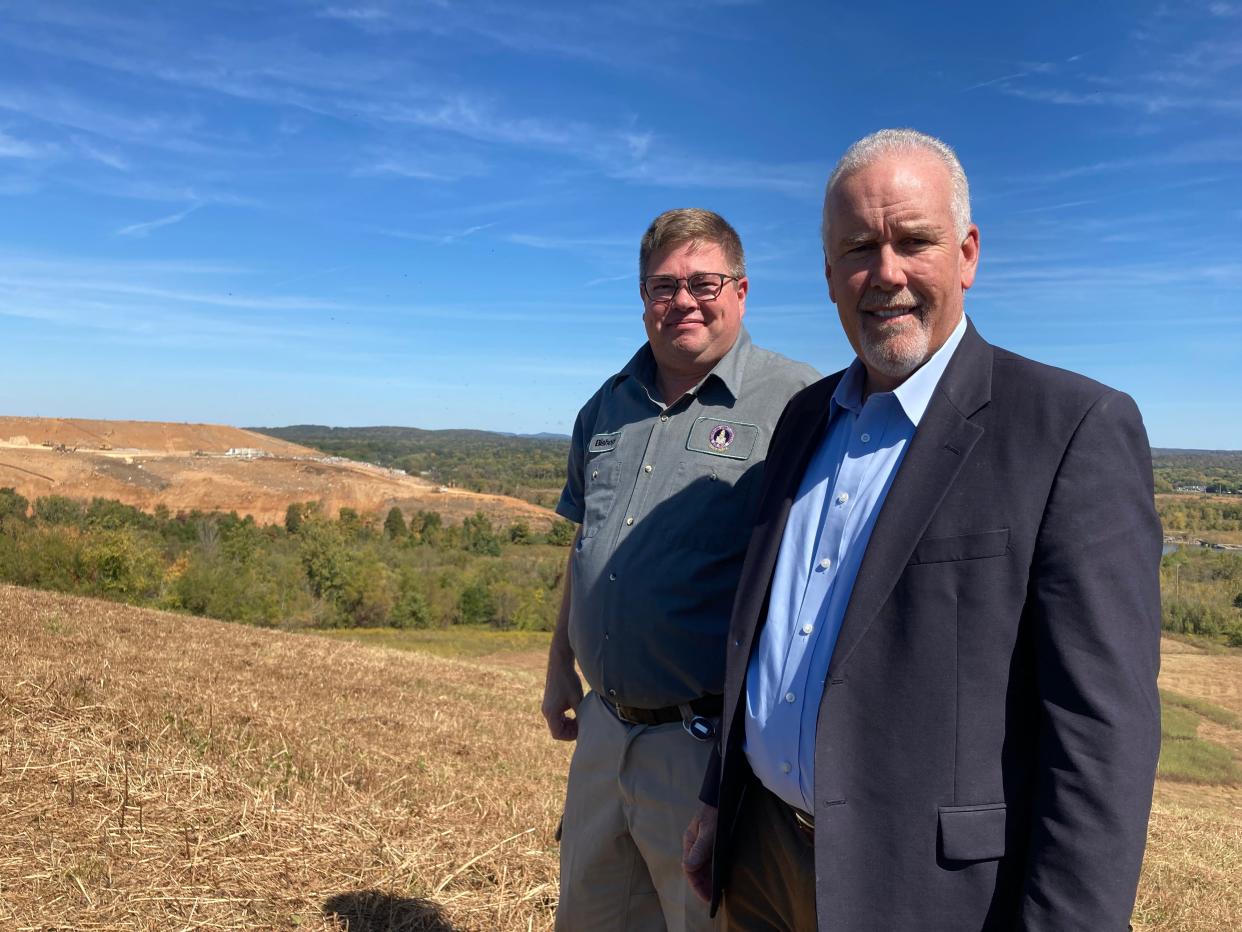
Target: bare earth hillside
(159,771)
(189,466)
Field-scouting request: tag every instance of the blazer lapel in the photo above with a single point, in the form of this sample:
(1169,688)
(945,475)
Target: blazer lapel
(941,444)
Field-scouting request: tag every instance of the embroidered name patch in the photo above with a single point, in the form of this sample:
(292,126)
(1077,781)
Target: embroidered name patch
(731,439)
(602,443)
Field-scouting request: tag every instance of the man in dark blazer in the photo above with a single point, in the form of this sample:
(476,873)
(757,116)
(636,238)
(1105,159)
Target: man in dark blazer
(940,706)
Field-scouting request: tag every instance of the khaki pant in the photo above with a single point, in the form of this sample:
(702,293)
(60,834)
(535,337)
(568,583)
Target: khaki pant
(632,791)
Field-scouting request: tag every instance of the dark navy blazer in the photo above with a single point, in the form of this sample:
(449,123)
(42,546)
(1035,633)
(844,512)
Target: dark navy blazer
(988,734)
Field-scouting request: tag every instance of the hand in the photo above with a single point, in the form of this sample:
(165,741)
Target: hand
(696,851)
(562,693)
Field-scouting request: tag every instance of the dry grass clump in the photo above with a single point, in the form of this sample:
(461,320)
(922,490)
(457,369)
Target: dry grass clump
(163,772)
(1192,865)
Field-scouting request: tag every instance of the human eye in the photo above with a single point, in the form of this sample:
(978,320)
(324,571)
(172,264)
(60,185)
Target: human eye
(705,284)
(661,287)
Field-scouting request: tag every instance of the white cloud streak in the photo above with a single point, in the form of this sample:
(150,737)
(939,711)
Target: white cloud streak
(143,229)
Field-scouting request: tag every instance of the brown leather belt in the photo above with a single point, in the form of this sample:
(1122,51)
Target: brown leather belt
(708,706)
(804,820)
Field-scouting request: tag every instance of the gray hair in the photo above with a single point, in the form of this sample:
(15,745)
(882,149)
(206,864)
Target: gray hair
(692,225)
(871,148)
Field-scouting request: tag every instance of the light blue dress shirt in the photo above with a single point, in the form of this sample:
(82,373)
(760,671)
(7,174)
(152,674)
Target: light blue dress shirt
(825,538)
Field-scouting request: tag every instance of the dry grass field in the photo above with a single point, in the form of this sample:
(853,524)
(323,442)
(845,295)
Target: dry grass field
(165,772)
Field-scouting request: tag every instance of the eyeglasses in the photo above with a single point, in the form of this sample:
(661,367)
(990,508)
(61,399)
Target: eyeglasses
(702,286)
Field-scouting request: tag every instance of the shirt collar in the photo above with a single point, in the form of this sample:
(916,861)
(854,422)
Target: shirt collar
(914,394)
(729,370)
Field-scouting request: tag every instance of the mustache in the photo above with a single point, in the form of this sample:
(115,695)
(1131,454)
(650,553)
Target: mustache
(884,301)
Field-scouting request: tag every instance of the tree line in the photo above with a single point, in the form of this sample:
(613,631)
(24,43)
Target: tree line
(411,571)
(314,570)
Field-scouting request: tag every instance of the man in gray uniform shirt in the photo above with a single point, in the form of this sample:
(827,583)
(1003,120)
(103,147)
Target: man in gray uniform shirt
(663,471)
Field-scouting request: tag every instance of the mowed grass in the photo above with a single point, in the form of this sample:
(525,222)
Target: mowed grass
(459,641)
(165,772)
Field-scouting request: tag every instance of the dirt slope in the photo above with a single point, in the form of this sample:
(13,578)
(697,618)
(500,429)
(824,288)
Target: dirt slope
(186,467)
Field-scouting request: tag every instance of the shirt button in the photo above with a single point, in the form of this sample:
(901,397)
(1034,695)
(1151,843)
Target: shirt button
(786,766)
(806,629)
(790,697)
(865,438)
(612,692)
(647,468)
(825,563)
(612,577)
(843,498)
(664,417)
(594,473)
(629,521)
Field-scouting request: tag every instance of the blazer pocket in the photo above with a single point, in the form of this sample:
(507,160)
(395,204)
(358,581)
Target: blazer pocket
(963,547)
(972,833)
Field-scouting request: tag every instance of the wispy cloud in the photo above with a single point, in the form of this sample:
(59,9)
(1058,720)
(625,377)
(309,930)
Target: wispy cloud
(443,239)
(14,148)
(101,154)
(144,228)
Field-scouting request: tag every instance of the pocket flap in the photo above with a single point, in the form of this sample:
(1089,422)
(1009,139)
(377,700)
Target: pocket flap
(972,833)
(962,547)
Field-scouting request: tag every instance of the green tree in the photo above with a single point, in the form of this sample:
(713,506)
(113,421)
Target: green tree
(477,535)
(394,524)
(57,509)
(476,605)
(519,533)
(13,506)
(293,517)
(427,527)
(561,534)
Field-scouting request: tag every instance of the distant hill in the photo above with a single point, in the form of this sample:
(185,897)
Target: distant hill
(215,467)
(1211,470)
(526,467)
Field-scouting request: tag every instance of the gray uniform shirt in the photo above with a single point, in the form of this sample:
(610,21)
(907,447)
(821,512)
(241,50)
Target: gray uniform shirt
(665,497)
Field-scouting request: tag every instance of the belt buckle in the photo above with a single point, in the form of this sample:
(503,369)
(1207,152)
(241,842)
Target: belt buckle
(805,822)
(699,727)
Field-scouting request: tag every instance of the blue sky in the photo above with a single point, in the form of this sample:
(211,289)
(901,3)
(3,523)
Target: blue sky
(428,214)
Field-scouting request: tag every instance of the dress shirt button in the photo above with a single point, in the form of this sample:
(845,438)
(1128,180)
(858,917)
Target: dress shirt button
(647,468)
(612,577)
(806,629)
(594,473)
(786,766)
(825,563)
(843,498)
(790,697)
(629,521)
(865,438)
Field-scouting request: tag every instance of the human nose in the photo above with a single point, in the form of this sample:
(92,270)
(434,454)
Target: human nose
(682,296)
(889,273)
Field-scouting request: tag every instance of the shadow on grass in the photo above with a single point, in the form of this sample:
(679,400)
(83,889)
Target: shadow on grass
(374,911)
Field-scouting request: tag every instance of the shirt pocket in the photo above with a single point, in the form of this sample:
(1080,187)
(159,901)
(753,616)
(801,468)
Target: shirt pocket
(602,475)
(715,494)
(977,546)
